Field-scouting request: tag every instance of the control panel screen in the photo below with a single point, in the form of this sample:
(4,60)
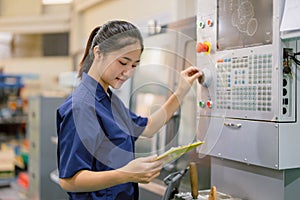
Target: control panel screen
(244,23)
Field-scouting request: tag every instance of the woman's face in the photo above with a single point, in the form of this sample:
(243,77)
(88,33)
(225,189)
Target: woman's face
(120,66)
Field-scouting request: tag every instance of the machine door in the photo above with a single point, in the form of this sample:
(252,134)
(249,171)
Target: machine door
(151,85)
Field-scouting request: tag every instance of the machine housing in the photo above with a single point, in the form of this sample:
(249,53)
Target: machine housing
(248,114)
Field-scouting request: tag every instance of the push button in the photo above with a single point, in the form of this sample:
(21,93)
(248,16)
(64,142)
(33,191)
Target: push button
(209,22)
(209,104)
(201,24)
(201,104)
(203,47)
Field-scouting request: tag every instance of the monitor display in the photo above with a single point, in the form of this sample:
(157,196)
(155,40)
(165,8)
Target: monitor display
(244,23)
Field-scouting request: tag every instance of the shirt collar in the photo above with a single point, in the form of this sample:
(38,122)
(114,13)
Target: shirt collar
(94,87)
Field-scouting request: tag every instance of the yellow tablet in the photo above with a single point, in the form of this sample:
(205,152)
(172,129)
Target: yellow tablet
(176,152)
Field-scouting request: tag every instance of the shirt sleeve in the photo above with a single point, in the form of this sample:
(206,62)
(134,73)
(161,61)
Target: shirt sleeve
(139,124)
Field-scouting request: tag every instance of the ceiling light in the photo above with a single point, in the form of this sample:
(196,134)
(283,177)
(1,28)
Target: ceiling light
(56,1)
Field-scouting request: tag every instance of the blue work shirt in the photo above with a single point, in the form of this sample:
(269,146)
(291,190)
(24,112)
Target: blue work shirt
(97,132)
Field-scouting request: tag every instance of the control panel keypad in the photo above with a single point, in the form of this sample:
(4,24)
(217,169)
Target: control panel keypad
(245,83)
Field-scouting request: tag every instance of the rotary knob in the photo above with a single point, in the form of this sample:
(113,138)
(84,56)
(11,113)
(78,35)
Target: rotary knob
(205,79)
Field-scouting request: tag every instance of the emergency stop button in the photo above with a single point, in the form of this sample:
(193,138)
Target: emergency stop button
(203,47)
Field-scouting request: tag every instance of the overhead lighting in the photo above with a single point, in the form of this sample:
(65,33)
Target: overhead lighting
(56,1)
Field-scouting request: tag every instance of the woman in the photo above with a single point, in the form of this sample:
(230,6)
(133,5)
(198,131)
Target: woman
(96,132)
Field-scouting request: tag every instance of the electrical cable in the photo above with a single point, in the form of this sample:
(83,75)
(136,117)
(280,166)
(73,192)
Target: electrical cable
(298,53)
(293,57)
(295,60)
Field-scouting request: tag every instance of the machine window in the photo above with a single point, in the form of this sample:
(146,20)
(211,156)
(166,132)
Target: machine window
(244,23)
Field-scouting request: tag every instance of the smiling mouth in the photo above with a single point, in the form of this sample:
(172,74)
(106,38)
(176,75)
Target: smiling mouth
(119,79)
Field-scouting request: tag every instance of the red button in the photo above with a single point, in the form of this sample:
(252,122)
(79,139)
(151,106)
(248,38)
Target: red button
(209,104)
(201,47)
(209,22)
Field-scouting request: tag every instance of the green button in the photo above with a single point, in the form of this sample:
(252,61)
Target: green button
(201,104)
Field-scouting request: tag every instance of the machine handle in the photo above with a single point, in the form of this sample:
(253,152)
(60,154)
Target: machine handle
(194,180)
(232,125)
(213,193)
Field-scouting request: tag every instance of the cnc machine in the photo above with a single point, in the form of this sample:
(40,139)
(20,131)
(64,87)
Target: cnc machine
(248,102)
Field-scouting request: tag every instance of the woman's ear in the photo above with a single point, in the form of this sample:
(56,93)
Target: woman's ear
(97,52)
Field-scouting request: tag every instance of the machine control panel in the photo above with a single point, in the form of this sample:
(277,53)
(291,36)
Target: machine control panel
(235,41)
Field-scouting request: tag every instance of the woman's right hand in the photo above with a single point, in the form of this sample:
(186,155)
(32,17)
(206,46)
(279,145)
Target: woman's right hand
(187,77)
(143,170)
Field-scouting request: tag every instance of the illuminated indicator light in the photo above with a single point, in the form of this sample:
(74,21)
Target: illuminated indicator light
(209,22)
(201,24)
(201,104)
(209,104)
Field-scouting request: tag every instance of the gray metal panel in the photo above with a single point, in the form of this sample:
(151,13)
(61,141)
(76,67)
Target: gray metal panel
(289,147)
(289,132)
(43,159)
(292,184)
(246,181)
(253,143)
(254,183)
(33,128)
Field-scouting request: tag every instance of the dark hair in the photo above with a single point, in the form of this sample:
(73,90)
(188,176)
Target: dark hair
(110,37)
